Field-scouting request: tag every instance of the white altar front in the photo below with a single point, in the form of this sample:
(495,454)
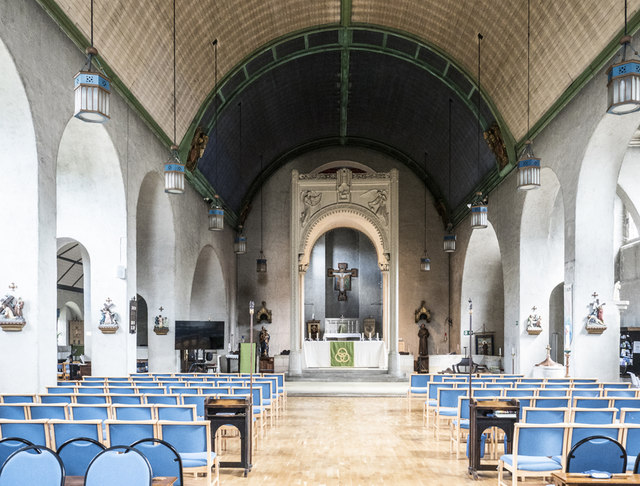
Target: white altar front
(367,354)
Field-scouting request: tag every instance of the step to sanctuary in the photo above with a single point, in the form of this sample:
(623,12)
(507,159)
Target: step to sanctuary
(346,389)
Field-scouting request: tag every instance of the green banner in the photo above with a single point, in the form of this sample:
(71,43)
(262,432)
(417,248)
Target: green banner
(244,366)
(341,353)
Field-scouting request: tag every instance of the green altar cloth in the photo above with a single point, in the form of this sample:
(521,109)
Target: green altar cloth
(341,353)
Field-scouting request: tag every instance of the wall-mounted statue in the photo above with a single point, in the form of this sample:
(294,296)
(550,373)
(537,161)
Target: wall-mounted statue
(11,318)
(198,146)
(534,322)
(595,319)
(263,315)
(109,319)
(161,324)
(264,343)
(423,337)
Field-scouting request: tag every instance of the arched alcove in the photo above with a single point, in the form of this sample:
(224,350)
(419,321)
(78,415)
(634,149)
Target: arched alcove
(74,269)
(155,267)
(362,297)
(208,289)
(91,208)
(541,265)
(482,282)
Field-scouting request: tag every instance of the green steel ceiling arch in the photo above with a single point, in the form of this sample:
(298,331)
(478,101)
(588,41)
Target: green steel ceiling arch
(238,79)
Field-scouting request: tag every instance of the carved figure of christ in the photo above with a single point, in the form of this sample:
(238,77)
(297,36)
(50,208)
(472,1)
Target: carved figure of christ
(342,278)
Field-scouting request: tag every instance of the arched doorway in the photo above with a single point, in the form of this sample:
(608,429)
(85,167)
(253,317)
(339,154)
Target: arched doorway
(482,282)
(73,338)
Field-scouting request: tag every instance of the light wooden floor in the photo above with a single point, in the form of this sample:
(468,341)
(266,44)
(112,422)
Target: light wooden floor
(353,441)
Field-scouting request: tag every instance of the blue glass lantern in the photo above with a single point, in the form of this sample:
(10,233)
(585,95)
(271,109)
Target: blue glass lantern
(92,90)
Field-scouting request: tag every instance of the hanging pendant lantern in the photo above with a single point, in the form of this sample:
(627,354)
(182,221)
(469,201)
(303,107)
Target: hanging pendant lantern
(449,243)
(425,263)
(261,263)
(92,90)
(216,215)
(624,79)
(624,83)
(528,169)
(240,242)
(174,173)
(478,212)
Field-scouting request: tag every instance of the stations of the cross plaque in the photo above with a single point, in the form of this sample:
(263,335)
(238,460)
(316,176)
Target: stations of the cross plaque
(342,279)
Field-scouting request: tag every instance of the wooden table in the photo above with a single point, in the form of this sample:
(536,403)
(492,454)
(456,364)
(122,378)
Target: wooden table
(157,481)
(566,479)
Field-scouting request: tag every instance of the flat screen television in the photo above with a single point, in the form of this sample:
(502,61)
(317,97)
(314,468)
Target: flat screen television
(199,335)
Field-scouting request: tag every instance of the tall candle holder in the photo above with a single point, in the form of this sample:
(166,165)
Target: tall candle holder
(513,360)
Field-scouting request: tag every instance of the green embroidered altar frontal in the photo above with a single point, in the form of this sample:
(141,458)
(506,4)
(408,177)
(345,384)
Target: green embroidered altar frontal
(341,353)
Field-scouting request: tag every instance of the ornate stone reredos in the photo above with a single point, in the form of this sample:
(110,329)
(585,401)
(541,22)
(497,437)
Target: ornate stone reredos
(361,201)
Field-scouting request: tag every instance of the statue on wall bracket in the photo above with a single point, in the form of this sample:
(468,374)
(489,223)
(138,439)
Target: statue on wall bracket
(534,322)
(595,319)
(11,318)
(263,316)
(109,319)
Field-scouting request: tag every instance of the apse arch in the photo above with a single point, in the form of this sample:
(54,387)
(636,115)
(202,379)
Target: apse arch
(344,216)
(541,264)
(483,283)
(155,265)
(209,294)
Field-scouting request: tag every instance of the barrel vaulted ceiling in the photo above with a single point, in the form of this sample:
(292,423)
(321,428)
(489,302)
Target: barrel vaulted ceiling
(347,72)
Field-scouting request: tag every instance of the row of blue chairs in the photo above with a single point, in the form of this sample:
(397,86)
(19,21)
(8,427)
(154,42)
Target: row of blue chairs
(122,465)
(190,439)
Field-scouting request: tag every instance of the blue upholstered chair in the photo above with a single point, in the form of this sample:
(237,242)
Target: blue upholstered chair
(48,411)
(9,445)
(63,430)
(597,453)
(176,413)
(101,399)
(133,412)
(56,398)
(13,412)
(127,399)
(163,458)
(35,431)
(447,407)
(125,433)
(538,451)
(76,454)
(593,416)
(18,398)
(544,415)
(162,399)
(34,464)
(193,443)
(121,465)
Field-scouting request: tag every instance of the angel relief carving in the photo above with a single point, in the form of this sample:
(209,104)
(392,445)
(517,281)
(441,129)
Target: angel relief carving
(379,205)
(309,199)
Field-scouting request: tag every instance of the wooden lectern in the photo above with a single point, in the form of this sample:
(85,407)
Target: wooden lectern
(486,414)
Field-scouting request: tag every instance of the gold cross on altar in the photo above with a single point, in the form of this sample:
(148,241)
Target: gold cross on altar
(342,276)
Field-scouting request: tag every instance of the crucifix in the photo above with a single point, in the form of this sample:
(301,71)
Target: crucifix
(342,278)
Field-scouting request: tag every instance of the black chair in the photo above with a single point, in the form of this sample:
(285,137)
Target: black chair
(77,453)
(163,457)
(597,453)
(11,444)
